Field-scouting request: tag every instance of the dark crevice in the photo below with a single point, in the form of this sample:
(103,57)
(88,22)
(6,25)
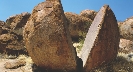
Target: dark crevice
(4,31)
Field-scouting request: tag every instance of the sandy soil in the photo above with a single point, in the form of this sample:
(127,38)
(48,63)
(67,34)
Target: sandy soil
(26,68)
(123,63)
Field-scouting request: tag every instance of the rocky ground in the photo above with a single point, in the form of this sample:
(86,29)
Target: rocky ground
(24,63)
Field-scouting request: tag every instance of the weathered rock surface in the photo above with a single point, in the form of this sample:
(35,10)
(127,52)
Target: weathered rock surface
(11,37)
(77,25)
(47,38)
(20,64)
(17,22)
(126,29)
(102,40)
(126,46)
(13,64)
(2,23)
(2,46)
(88,13)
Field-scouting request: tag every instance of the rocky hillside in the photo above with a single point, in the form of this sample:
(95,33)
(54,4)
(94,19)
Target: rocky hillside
(49,40)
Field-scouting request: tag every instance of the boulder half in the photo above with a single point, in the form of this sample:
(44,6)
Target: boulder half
(47,38)
(102,40)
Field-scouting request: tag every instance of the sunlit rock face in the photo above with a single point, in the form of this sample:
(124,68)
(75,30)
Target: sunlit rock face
(126,28)
(102,40)
(126,46)
(88,14)
(47,38)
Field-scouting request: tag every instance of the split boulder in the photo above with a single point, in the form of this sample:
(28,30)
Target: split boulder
(47,38)
(102,41)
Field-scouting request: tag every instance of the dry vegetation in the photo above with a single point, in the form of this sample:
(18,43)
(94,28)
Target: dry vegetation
(123,63)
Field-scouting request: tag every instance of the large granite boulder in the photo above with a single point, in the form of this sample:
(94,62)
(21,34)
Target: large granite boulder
(126,28)
(102,40)
(88,13)
(47,38)
(77,25)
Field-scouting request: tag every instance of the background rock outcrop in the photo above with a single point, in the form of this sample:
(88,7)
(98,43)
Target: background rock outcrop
(88,14)
(77,25)
(17,23)
(126,46)
(11,37)
(3,30)
(2,23)
(102,41)
(126,28)
(47,38)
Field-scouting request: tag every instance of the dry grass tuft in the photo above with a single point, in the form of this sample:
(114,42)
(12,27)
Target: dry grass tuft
(122,63)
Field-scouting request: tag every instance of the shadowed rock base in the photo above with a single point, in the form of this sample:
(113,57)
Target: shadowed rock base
(79,65)
(79,68)
(35,68)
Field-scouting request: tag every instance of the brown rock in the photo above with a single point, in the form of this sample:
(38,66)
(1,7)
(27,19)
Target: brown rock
(13,38)
(2,31)
(5,38)
(77,25)
(1,25)
(2,47)
(126,29)
(126,46)
(8,40)
(9,44)
(88,13)
(17,22)
(47,38)
(13,64)
(102,40)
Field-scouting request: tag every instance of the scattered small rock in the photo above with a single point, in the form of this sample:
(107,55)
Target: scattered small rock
(126,46)
(13,64)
